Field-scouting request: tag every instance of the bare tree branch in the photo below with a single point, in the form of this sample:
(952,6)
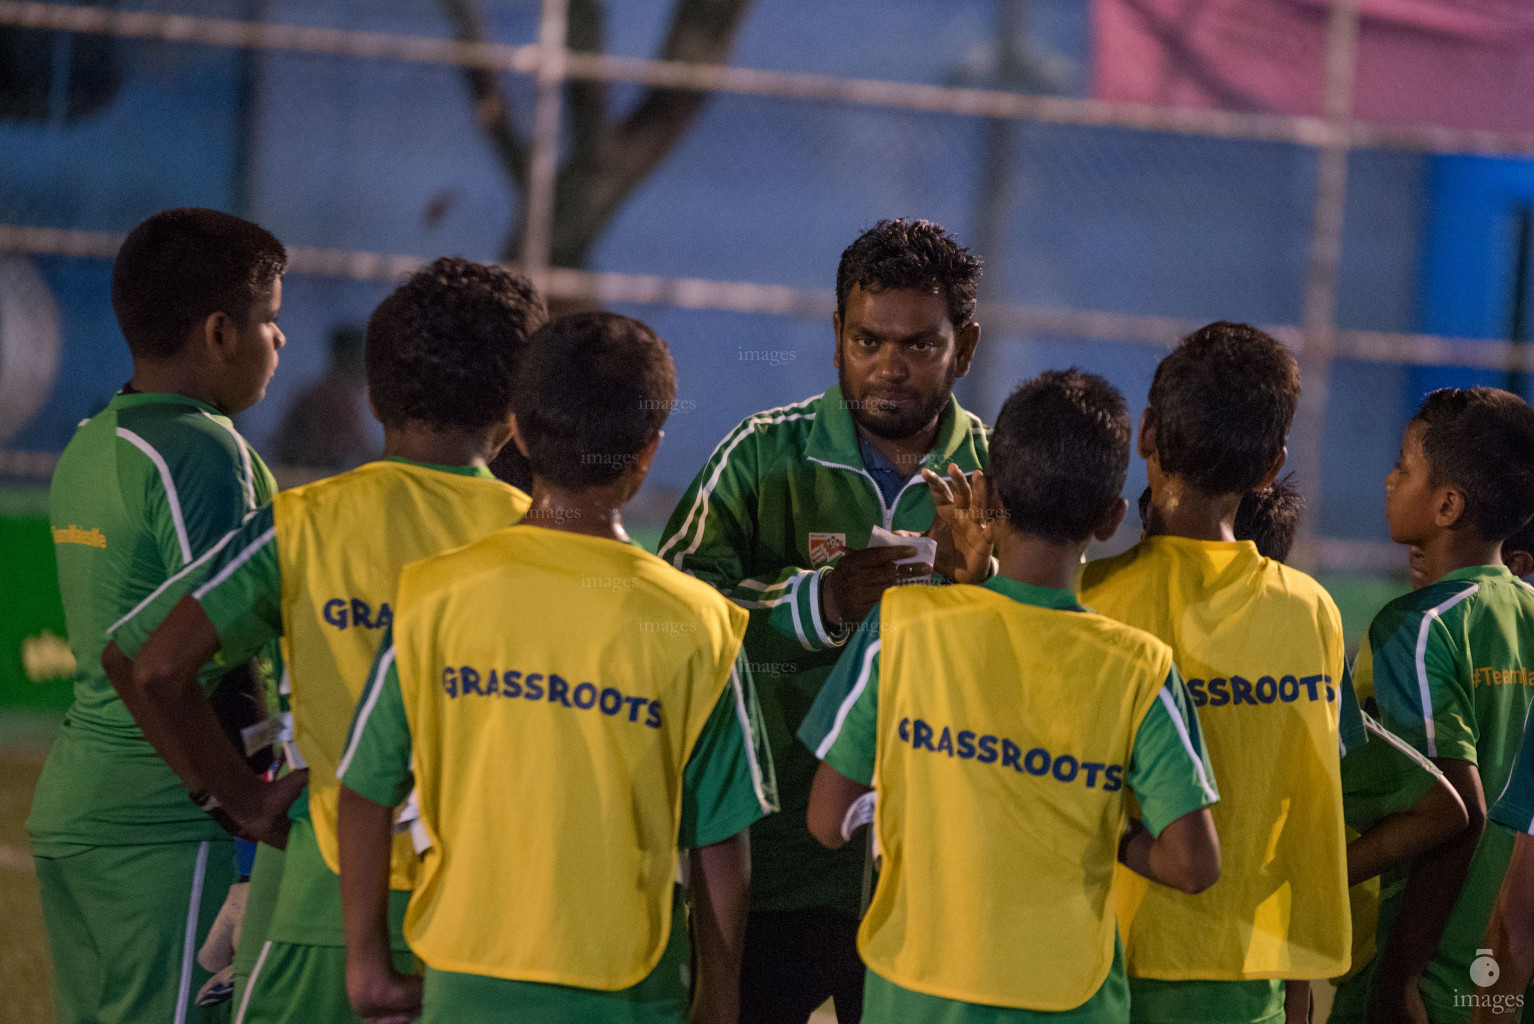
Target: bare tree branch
(587,33)
(597,179)
(492,107)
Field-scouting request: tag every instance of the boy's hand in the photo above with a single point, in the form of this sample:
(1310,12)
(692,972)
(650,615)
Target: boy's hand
(962,526)
(851,589)
(269,822)
(381,995)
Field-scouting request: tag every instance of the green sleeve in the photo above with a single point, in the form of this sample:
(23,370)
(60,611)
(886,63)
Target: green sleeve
(1515,807)
(1385,776)
(1169,769)
(842,726)
(242,589)
(728,783)
(376,761)
(1417,680)
(712,535)
(1351,734)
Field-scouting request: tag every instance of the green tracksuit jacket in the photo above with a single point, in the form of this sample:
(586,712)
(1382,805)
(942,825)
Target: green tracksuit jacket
(764,520)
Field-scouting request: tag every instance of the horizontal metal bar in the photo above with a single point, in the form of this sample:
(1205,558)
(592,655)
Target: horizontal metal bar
(1302,130)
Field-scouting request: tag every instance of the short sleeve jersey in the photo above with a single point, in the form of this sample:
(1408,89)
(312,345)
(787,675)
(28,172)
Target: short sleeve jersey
(1450,668)
(144,490)
(1515,807)
(1168,772)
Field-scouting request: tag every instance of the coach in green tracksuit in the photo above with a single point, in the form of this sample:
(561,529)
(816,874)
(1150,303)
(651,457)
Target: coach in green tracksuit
(131,872)
(779,519)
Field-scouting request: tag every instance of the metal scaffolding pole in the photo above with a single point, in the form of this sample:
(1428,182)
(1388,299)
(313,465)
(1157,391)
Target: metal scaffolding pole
(543,160)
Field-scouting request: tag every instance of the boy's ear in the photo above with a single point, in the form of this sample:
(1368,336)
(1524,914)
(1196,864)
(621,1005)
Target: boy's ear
(1273,470)
(1146,446)
(497,435)
(1449,507)
(1520,563)
(646,455)
(516,437)
(219,335)
(1110,524)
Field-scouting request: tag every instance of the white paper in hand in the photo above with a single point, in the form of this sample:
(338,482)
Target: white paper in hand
(926,547)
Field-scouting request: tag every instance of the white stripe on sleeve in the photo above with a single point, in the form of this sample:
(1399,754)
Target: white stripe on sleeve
(171,497)
(370,701)
(864,673)
(1423,690)
(1187,742)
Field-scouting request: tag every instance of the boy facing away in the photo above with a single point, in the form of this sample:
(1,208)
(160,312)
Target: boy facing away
(1004,728)
(1449,667)
(132,872)
(318,568)
(1261,647)
(572,712)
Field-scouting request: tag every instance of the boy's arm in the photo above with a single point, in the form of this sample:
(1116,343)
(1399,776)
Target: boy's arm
(1510,932)
(1432,889)
(1169,772)
(1437,815)
(721,883)
(235,591)
(375,776)
(842,730)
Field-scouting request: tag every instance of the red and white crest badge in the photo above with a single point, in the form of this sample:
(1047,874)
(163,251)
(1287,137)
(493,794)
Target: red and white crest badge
(825,548)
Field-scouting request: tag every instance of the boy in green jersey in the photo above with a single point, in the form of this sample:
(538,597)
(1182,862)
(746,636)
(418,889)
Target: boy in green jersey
(132,873)
(318,568)
(575,715)
(1449,667)
(1036,719)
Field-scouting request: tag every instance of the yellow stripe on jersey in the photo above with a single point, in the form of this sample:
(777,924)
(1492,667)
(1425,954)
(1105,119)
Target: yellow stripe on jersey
(1043,720)
(341,543)
(1260,647)
(555,686)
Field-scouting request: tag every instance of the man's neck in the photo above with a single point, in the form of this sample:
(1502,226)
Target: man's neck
(171,377)
(437,447)
(907,453)
(1450,550)
(1037,562)
(595,512)
(1182,511)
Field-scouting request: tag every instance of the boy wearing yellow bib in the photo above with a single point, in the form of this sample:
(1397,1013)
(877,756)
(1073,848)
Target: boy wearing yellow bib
(1261,647)
(1004,727)
(318,568)
(572,712)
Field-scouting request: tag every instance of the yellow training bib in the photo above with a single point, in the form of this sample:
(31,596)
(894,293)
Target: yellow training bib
(341,543)
(1005,733)
(1260,647)
(555,685)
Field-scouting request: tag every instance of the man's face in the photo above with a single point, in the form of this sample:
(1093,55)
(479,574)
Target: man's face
(1411,499)
(897,356)
(255,353)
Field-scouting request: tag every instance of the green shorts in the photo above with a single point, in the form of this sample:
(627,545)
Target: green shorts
(260,902)
(1205,1002)
(294,984)
(885,1001)
(661,998)
(125,923)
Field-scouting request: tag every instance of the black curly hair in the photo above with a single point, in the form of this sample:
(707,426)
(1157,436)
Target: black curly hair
(443,348)
(1481,442)
(1059,454)
(180,266)
(915,255)
(1222,403)
(594,389)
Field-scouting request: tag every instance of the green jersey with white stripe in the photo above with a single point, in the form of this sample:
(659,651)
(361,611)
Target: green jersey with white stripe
(781,498)
(1451,668)
(145,489)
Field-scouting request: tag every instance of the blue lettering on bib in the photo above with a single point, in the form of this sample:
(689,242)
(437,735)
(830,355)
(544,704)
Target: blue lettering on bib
(967,745)
(609,701)
(341,612)
(1219,692)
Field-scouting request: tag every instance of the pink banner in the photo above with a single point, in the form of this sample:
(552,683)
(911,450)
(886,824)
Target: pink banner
(1457,63)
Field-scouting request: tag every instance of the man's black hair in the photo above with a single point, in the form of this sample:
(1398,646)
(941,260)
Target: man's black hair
(1480,441)
(1270,516)
(443,348)
(1059,454)
(1222,402)
(594,389)
(910,255)
(179,267)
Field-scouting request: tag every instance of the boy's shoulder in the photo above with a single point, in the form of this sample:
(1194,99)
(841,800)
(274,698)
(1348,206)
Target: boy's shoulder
(1111,637)
(1445,598)
(178,434)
